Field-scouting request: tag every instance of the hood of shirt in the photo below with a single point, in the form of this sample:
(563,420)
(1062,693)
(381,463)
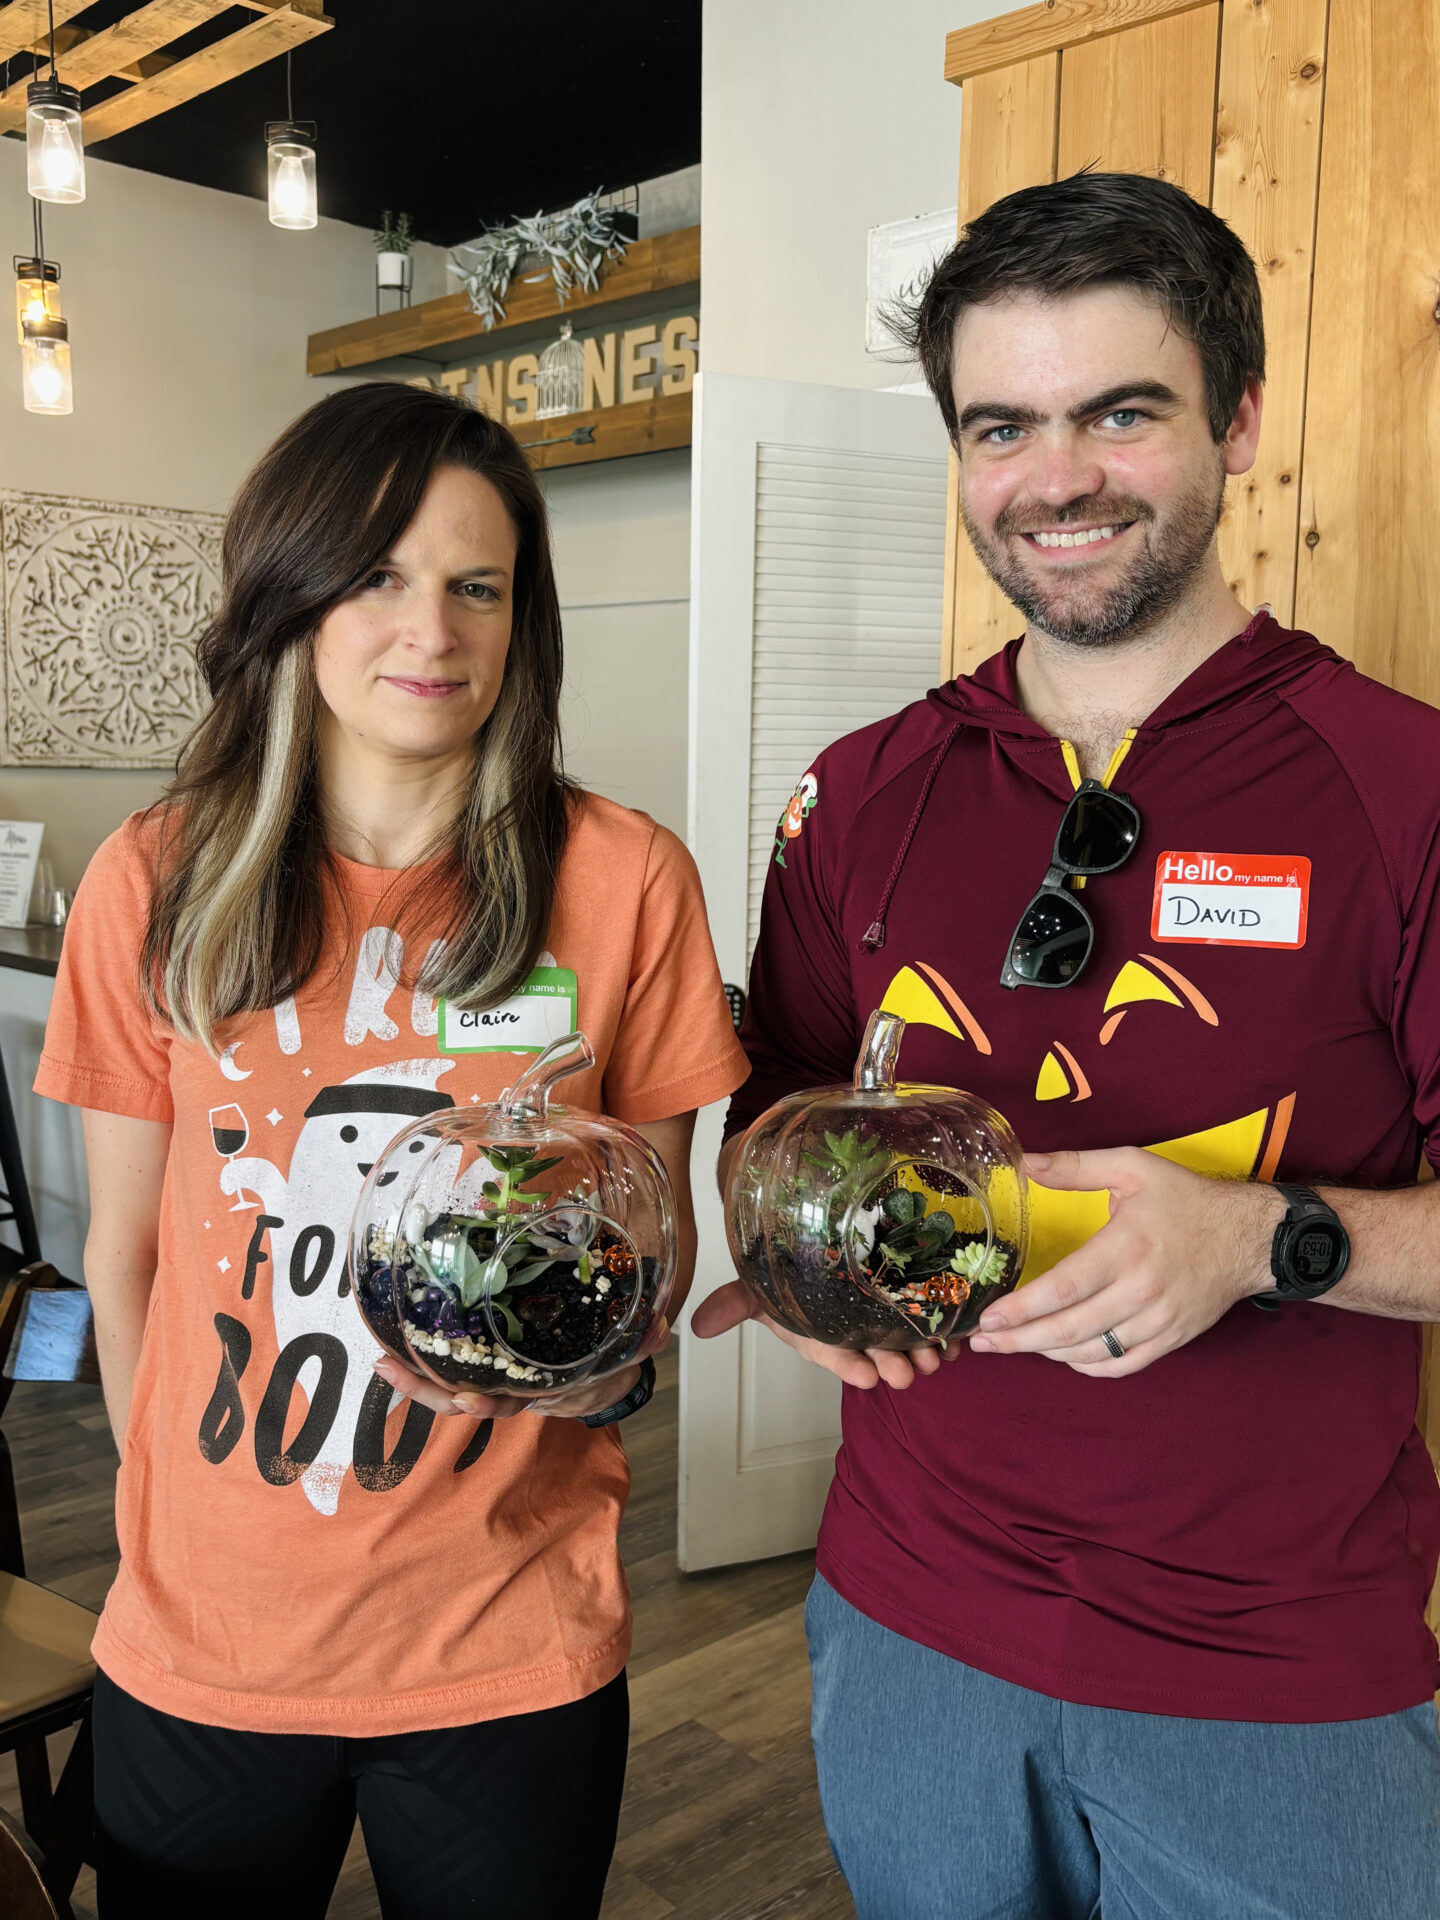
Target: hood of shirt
(1265,662)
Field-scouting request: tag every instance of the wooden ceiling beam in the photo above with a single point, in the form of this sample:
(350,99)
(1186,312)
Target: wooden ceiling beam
(269,34)
(24,22)
(129,50)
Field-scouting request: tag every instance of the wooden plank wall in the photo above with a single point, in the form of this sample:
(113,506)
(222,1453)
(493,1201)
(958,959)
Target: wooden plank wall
(1007,141)
(1267,178)
(1369,568)
(1143,101)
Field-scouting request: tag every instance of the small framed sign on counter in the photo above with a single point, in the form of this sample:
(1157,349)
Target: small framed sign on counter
(19,852)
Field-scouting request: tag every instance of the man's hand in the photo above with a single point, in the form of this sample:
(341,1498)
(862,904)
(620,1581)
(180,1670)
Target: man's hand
(728,1306)
(1178,1251)
(593,1397)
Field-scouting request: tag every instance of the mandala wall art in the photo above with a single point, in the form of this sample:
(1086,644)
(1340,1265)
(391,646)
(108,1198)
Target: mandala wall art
(102,606)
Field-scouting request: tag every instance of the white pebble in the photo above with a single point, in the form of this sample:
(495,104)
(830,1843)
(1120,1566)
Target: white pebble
(441,1347)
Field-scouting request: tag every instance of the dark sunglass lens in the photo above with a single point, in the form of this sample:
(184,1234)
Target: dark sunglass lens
(1098,831)
(1052,942)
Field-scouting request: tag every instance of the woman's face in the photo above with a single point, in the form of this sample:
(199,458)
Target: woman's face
(411,662)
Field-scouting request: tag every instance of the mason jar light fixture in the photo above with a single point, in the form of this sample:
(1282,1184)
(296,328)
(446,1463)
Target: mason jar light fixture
(54,147)
(45,368)
(290,166)
(37,294)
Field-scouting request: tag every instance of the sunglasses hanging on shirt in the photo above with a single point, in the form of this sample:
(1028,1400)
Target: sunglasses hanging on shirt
(1051,944)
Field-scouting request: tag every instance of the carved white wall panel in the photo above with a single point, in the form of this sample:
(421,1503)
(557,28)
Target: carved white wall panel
(102,606)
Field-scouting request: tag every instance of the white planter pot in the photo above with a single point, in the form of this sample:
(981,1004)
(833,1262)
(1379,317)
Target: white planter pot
(392,271)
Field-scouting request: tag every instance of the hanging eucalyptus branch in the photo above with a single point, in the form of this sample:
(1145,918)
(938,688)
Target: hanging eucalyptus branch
(571,246)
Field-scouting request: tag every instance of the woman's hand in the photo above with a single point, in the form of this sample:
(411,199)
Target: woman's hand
(593,1397)
(728,1306)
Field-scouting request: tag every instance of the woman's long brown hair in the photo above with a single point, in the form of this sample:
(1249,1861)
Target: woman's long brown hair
(238,917)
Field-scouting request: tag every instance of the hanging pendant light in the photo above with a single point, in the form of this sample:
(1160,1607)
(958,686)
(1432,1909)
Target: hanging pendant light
(45,368)
(54,146)
(37,294)
(290,167)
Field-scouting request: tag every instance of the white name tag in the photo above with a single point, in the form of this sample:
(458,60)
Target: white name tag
(546,1008)
(1232,899)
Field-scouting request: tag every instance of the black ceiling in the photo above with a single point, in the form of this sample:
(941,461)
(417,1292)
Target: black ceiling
(461,112)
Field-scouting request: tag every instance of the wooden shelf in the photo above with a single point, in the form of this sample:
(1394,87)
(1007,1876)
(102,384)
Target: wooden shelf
(444,330)
(642,426)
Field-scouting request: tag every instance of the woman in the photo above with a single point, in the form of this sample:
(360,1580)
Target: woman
(330,1597)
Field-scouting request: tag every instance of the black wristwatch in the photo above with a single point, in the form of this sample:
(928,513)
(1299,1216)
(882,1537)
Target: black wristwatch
(640,1395)
(1310,1250)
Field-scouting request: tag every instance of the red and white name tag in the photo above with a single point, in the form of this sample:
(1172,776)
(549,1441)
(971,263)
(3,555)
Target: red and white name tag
(1232,899)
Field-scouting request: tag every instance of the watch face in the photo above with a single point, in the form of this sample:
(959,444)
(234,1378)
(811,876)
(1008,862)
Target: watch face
(1318,1251)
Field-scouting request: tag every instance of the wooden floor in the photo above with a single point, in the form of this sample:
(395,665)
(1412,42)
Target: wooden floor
(721,1820)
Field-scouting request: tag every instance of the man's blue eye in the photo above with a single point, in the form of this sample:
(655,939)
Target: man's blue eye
(1124,417)
(995,432)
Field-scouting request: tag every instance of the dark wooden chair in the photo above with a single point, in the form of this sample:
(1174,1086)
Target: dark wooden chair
(23,1893)
(46,1673)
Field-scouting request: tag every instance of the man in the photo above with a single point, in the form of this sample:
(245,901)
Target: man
(1121,1605)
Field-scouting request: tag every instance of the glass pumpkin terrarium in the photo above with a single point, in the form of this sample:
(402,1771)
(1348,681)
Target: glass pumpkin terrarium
(881,1214)
(518,1248)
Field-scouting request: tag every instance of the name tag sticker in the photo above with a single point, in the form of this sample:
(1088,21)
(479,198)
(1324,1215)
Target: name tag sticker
(546,1008)
(1232,899)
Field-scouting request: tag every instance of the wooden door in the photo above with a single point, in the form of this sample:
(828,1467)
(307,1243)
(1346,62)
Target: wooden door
(1338,525)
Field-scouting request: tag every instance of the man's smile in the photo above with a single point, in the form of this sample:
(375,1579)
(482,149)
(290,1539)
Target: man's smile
(1074,539)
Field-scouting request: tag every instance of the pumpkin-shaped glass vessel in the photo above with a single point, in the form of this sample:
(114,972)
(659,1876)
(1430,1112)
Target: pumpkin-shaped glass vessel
(519,1248)
(878,1214)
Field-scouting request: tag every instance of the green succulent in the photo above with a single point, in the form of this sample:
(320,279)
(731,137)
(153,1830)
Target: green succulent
(980,1268)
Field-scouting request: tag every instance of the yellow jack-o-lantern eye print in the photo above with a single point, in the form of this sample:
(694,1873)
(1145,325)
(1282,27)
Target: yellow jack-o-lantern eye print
(1136,982)
(1061,1082)
(922,997)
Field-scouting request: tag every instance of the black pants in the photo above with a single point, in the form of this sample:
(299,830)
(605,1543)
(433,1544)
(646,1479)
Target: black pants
(503,1819)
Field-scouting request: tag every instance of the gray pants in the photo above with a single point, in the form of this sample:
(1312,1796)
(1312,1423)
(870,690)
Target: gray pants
(950,1795)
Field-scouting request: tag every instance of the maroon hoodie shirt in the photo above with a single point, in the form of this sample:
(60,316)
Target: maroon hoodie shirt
(1248,1529)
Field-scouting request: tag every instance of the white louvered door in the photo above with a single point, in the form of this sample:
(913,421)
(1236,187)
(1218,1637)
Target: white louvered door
(817,565)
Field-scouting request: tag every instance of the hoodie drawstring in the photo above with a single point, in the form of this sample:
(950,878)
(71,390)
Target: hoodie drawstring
(875,932)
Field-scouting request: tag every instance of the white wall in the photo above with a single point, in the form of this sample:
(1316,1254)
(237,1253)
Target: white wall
(622,552)
(188,314)
(820,120)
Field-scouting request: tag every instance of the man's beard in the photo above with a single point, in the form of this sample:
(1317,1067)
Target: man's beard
(1070,608)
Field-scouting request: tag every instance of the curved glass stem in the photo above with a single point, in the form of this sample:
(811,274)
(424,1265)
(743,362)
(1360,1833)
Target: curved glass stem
(879,1054)
(530,1094)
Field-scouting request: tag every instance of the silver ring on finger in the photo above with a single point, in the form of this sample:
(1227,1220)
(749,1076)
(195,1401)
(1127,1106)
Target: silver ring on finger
(1112,1345)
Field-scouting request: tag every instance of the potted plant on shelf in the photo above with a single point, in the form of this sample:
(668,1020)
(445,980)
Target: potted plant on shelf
(393,239)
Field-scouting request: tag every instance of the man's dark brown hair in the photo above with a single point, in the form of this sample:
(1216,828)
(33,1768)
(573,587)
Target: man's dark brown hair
(1095,230)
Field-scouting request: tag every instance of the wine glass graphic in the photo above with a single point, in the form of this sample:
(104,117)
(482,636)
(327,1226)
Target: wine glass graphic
(230,1131)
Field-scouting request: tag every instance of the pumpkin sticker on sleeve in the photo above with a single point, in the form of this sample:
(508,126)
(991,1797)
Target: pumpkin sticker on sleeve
(801,806)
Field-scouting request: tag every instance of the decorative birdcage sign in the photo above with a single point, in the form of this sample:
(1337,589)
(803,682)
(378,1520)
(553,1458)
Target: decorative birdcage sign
(560,382)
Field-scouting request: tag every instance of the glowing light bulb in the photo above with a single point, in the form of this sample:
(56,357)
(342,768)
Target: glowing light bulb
(37,296)
(55,150)
(291,170)
(290,195)
(45,368)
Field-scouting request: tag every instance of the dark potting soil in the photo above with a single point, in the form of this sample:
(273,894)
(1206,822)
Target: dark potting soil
(562,1318)
(819,1300)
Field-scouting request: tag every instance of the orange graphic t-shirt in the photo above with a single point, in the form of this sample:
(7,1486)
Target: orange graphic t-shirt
(301,1551)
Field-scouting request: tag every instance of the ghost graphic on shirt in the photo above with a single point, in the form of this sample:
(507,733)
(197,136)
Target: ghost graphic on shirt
(347,1129)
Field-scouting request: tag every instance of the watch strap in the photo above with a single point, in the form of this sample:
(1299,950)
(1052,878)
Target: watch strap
(640,1395)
